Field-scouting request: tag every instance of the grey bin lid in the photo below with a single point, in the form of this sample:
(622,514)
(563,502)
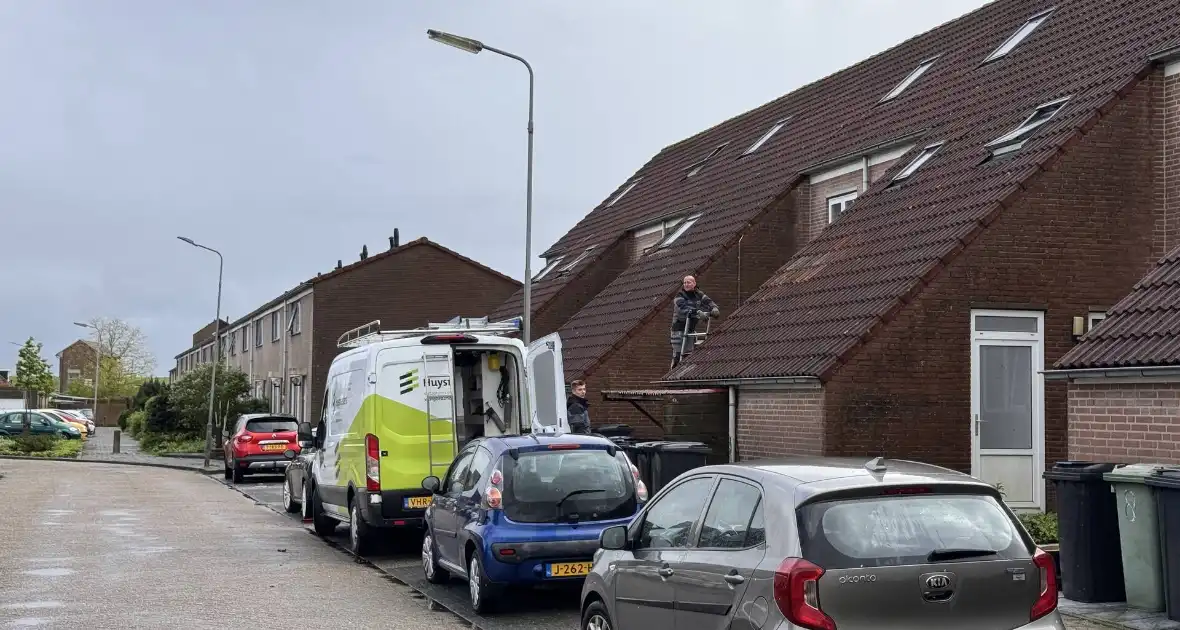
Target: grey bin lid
(1132,473)
(1166,478)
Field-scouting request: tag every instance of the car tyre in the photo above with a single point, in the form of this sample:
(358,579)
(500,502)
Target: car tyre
(434,573)
(289,503)
(323,524)
(229,472)
(596,617)
(237,473)
(360,535)
(481,590)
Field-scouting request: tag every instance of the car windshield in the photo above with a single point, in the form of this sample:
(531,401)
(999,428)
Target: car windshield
(905,530)
(271,425)
(566,485)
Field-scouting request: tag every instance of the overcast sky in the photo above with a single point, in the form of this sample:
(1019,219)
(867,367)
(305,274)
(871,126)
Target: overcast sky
(289,133)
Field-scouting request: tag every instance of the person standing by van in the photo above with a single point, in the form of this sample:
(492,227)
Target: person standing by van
(578,408)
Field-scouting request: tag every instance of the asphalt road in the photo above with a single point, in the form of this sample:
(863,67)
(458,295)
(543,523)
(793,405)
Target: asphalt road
(520,610)
(101,546)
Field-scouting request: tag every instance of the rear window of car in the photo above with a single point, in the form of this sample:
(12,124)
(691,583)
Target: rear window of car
(904,530)
(560,486)
(271,425)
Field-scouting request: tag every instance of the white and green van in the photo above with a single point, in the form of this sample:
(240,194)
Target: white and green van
(399,404)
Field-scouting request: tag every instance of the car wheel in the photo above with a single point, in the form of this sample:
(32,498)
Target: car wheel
(229,472)
(434,573)
(360,537)
(596,617)
(289,503)
(323,524)
(305,504)
(237,473)
(481,590)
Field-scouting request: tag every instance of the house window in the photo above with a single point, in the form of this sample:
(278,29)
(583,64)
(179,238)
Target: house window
(72,374)
(258,333)
(840,204)
(549,265)
(625,191)
(1015,139)
(274,326)
(233,343)
(767,136)
(1020,35)
(1094,319)
(906,82)
(681,228)
(245,330)
(696,167)
(296,319)
(567,268)
(922,158)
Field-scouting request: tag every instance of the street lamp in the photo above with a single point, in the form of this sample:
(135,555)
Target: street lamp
(216,348)
(97,361)
(475,46)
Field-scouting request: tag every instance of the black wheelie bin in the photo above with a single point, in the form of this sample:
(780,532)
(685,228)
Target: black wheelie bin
(1088,531)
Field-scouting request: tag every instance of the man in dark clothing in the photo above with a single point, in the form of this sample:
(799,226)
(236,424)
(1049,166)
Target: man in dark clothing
(577,408)
(689,307)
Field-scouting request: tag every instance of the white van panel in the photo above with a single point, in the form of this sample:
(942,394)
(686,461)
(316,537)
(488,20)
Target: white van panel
(545,374)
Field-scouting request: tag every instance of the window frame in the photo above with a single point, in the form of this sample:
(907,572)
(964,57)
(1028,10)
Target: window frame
(258,332)
(569,267)
(245,330)
(925,155)
(295,317)
(626,190)
(911,78)
(460,464)
(275,333)
(764,138)
(696,167)
(844,199)
(709,505)
(636,532)
(1093,318)
(1015,139)
(1015,39)
(233,343)
(550,265)
(677,232)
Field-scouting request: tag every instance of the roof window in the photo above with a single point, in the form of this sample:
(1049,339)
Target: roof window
(917,163)
(1020,35)
(625,191)
(1015,139)
(909,80)
(549,265)
(767,136)
(567,268)
(696,167)
(677,232)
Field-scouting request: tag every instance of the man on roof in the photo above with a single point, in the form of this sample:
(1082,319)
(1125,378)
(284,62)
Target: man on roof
(690,306)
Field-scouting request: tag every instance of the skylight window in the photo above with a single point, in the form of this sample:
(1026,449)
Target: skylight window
(681,228)
(696,167)
(549,265)
(1020,35)
(566,269)
(767,136)
(922,158)
(913,76)
(1015,139)
(624,191)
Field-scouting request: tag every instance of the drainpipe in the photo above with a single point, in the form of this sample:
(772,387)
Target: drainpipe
(732,423)
(286,340)
(864,174)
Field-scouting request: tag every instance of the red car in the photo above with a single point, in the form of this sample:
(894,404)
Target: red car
(260,442)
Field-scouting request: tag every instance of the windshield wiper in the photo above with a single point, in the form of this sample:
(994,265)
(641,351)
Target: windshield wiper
(956,554)
(576,492)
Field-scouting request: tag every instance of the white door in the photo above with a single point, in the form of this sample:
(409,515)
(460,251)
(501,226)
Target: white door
(1008,404)
(545,376)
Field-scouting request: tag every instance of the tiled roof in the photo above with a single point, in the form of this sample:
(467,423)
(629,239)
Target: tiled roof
(835,291)
(1143,329)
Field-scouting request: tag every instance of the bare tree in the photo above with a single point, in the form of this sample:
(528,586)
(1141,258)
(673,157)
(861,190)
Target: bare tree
(125,342)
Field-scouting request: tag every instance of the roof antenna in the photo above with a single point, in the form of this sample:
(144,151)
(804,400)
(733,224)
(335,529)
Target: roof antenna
(876,465)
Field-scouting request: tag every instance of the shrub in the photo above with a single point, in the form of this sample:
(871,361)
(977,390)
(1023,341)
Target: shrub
(35,443)
(158,444)
(123,418)
(7,445)
(159,417)
(135,423)
(1042,527)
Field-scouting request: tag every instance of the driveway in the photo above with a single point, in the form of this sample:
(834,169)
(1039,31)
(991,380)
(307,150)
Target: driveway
(106,546)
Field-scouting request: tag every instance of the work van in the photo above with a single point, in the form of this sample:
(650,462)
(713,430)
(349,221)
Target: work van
(398,405)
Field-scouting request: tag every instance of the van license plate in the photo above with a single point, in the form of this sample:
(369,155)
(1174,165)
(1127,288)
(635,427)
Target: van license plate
(416,503)
(567,569)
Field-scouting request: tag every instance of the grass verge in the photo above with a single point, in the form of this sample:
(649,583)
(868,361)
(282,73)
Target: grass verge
(159,444)
(40,446)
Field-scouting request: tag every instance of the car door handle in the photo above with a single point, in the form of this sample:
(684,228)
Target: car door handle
(666,571)
(734,578)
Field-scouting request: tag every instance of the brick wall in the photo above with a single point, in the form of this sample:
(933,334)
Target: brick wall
(579,291)
(700,418)
(1167,127)
(1126,423)
(404,290)
(1080,235)
(775,423)
(821,192)
(206,333)
(76,356)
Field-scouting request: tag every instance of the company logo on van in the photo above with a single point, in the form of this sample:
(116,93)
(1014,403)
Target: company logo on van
(408,382)
(438,382)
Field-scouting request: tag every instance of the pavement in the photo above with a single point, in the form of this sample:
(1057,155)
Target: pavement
(99,546)
(99,447)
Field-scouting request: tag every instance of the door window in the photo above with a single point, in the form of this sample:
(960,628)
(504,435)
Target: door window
(727,525)
(478,471)
(669,522)
(454,482)
(1005,400)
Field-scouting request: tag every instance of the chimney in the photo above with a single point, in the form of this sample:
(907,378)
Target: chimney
(396,238)
(392,243)
(339,263)
(364,252)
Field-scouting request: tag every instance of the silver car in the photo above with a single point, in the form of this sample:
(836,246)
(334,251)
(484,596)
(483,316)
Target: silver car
(822,543)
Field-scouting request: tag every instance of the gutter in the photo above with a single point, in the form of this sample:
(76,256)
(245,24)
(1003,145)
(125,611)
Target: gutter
(1115,372)
(737,382)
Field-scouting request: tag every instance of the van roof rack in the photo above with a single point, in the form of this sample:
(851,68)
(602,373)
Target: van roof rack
(372,333)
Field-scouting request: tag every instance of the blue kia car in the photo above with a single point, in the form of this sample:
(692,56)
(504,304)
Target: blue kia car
(526,510)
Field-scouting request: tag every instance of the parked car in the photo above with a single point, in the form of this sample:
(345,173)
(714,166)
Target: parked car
(58,415)
(524,510)
(87,413)
(259,442)
(14,423)
(295,488)
(827,543)
(74,415)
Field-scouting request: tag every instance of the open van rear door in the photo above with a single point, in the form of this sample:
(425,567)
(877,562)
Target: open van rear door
(545,375)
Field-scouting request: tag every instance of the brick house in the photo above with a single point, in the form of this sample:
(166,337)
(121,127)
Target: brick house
(1124,376)
(286,345)
(76,361)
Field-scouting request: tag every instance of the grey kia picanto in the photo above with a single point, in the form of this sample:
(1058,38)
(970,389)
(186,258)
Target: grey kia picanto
(822,544)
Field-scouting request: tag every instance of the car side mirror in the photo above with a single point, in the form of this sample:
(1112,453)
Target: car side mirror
(613,538)
(304,432)
(432,484)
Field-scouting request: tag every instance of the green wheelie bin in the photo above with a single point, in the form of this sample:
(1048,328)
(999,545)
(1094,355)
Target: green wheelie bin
(1138,535)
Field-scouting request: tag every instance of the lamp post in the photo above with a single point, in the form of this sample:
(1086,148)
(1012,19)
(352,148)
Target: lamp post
(97,361)
(474,46)
(216,348)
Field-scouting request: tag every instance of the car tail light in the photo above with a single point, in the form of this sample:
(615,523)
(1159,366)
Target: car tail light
(372,463)
(640,487)
(563,447)
(494,498)
(906,490)
(796,591)
(1047,600)
(242,439)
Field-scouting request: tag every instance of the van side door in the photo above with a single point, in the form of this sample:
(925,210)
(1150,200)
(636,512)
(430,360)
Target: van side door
(545,377)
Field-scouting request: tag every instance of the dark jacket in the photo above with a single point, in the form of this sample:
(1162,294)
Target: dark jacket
(578,411)
(691,304)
